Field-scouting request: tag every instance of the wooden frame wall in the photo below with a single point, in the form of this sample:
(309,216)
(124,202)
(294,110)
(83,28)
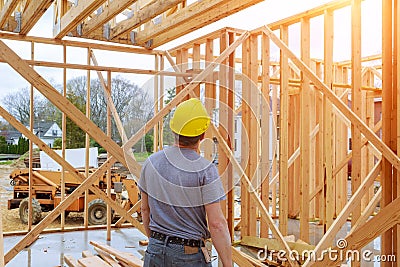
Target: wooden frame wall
(324,182)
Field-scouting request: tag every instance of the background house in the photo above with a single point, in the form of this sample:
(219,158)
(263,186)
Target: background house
(11,136)
(47,131)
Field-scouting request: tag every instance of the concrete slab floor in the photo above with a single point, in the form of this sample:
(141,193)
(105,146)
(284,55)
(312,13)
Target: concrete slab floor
(49,249)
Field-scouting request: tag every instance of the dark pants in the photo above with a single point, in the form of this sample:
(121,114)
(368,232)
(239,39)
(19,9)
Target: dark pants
(164,254)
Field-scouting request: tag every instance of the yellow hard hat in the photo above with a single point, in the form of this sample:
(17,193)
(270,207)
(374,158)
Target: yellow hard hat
(190,118)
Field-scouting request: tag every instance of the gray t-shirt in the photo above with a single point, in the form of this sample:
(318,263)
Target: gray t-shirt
(179,182)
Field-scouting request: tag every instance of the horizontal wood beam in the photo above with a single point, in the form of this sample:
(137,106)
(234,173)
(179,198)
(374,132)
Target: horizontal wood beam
(103,68)
(109,12)
(183,15)
(317,11)
(74,16)
(7,10)
(33,13)
(97,46)
(142,16)
(189,19)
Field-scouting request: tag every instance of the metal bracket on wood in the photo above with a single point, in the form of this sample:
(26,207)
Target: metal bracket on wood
(157,20)
(56,28)
(149,43)
(106,31)
(133,35)
(130,14)
(79,29)
(18,19)
(99,10)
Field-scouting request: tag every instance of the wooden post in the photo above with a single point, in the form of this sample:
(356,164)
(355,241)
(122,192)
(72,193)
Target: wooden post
(223,115)
(87,141)
(109,133)
(387,99)
(63,135)
(275,137)
(245,198)
(31,125)
(231,136)
(179,85)
(283,138)
(356,102)
(328,120)
(305,146)
(253,130)
(161,103)
(1,240)
(344,147)
(209,97)
(196,65)
(265,129)
(156,138)
(293,182)
(396,86)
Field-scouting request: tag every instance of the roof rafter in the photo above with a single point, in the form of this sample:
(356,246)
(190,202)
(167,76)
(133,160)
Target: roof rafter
(7,10)
(75,15)
(145,14)
(175,19)
(33,13)
(113,9)
(189,19)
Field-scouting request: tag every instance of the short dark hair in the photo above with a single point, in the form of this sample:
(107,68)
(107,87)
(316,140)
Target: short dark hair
(186,140)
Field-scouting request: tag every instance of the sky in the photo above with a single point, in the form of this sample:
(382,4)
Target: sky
(263,13)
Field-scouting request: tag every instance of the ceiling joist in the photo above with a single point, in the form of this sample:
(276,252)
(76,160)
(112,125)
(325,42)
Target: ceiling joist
(76,15)
(109,12)
(33,13)
(189,19)
(153,9)
(7,10)
(175,19)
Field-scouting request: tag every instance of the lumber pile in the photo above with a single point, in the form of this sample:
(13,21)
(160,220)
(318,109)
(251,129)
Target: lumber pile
(106,256)
(268,249)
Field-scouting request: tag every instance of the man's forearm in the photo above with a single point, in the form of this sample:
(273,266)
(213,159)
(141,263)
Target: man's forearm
(222,243)
(146,221)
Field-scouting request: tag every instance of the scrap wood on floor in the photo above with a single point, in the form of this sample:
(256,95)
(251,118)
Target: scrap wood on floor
(270,248)
(106,256)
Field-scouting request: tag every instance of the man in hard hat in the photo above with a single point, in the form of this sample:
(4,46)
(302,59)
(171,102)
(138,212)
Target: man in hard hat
(181,192)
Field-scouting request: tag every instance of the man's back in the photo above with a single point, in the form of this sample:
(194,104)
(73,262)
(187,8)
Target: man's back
(179,182)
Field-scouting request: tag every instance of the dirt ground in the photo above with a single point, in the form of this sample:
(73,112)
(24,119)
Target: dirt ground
(11,221)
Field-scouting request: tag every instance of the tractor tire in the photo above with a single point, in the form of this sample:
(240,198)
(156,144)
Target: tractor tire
(36,211)
(97,212)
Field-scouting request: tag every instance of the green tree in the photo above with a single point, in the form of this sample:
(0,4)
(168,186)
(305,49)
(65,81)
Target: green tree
(75,137)
(3,145)
(149,142)
(23,146)
(57,143)
(18,104)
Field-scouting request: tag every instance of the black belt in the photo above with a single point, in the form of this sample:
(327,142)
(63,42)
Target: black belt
(177,240)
